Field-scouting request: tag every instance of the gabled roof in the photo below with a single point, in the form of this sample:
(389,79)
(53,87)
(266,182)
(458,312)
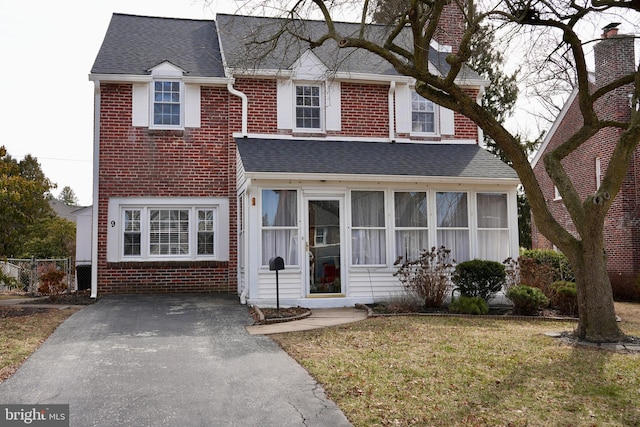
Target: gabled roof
(135,44)
(248,43)
(368,158)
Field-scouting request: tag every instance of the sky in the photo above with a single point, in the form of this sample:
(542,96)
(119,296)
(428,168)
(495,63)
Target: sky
(47,49)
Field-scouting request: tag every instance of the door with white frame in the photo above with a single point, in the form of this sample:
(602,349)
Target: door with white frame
(324,246)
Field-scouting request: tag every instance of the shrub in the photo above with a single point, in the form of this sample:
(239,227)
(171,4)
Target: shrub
(469,305)
(527,300)
(427,278)
(479,278)
(564,297)
(541,267)
(512,272)
(52,283)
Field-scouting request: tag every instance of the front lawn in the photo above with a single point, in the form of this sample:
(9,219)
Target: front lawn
(443,371)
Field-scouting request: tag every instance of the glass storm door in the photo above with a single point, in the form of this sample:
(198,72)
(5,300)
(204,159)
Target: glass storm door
(324,247)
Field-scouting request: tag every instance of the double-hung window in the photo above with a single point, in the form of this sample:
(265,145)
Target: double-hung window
(280,226)
(167,104)
(308,107)
(423,114)
(186,232)
(411,224)
(452,223)
(493,226)
(368,230)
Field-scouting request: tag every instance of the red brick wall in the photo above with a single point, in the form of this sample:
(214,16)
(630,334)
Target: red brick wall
(136,162)
(622,235)
(365,110)
(451,28)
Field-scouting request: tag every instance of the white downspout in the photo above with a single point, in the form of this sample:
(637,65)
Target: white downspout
(95,198)
(392,121)
(245,106)
(245,117)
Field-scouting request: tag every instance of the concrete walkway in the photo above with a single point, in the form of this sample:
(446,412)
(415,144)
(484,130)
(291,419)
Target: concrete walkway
(169,361)
(320,318)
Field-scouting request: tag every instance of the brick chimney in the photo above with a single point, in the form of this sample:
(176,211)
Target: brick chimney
(451,26)
(614,55)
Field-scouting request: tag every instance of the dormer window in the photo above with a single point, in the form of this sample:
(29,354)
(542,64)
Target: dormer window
(308,107)
(423,114)
(167,104)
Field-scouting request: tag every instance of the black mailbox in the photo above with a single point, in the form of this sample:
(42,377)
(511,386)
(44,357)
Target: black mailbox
(276,264)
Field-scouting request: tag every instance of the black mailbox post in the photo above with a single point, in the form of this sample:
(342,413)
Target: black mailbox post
(276,264)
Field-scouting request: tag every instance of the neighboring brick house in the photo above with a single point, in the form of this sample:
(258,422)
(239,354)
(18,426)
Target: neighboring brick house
(614,57)
(209,164)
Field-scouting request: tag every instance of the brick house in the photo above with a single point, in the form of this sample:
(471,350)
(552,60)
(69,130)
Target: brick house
(614,57)
(214,154)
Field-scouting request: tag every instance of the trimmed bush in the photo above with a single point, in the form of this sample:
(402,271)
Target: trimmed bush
(469,305)
(564,297)
(625,287)
(479,278)
(527,300)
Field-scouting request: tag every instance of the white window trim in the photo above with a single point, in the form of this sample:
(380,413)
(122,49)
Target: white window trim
(152,125)
(556,193)
(436,117)
(295,227)
(115,230)
(350,227)
(322,94)
(598,173)
(396,228)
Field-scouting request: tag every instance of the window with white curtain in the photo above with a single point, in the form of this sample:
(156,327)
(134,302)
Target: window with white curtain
(411,221)
(368,242)
(493,226)
(423,114)
(280,226)
(452,226)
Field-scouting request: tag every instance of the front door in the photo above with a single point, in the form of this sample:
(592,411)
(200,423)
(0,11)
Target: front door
(324,246)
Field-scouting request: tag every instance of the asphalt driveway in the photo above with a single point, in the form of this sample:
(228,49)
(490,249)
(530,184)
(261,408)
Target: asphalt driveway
(169,361)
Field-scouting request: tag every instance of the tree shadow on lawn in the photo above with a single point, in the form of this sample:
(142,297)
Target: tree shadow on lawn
(564,386)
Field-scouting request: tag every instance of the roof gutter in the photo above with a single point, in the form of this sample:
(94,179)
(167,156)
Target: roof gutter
(245,106)
(328,177)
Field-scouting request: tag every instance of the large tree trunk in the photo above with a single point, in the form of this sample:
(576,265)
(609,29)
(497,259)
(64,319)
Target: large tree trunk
(595,298)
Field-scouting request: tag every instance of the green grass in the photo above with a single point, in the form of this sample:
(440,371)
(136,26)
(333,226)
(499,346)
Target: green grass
(442,371)
(23,330)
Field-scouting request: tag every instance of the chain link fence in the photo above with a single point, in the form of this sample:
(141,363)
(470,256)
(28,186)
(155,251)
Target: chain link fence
(26,274)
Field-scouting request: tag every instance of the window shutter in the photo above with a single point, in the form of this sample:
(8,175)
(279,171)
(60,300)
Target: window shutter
(140,105)
(403,112)
(447,125)
(333,107)
(285,104)
(192,106)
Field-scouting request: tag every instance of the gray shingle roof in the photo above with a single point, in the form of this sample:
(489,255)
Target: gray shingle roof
(134,44)
(247,42)
(369,158)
